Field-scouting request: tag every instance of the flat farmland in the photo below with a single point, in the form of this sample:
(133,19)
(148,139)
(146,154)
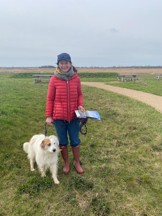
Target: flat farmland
(119,70)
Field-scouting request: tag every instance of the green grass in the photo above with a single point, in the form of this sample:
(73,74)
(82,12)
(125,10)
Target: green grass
(121,155)
(146,83)
(99,77)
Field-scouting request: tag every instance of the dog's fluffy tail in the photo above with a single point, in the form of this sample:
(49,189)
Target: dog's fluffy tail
(26,147)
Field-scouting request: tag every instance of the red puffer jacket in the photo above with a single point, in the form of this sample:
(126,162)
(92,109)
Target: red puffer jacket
(63,98)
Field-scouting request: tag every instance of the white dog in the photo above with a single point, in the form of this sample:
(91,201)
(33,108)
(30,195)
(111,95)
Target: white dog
(44,151)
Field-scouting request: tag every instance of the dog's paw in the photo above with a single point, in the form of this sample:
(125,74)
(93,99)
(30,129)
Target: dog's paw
(32,169)
(56,181)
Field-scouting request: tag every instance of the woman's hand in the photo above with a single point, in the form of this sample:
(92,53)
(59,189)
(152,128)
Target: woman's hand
(49,120)
(81,108)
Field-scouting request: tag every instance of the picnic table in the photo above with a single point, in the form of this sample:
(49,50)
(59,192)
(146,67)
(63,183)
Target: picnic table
(127,77)
(158,76)
(38,78)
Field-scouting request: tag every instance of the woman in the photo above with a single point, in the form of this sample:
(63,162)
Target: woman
(63,98)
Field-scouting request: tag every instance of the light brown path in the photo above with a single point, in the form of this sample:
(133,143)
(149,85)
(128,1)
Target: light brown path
(150,99)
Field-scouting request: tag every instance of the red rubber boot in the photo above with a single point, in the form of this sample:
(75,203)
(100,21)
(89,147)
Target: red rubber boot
(76,161)
(64,153)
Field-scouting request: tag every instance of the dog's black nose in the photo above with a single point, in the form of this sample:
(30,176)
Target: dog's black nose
(54,150)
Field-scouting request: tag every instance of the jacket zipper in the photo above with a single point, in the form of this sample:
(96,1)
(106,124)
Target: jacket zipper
(68,95)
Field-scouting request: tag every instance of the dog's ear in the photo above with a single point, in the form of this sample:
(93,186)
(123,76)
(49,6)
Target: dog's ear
(57,142)
(45,142)
(55,139)
(42,144)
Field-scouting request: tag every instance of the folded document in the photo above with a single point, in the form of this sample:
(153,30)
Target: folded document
(88,114)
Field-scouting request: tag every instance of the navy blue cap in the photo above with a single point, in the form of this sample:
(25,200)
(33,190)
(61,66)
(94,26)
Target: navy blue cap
(63,57)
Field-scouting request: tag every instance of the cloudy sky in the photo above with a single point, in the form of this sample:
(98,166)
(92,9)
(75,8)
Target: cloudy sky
(94,32)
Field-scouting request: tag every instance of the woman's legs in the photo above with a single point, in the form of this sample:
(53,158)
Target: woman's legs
(61,129)
(73,130)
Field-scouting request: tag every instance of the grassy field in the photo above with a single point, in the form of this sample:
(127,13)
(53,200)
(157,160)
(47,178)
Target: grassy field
(121,155)
(146,83)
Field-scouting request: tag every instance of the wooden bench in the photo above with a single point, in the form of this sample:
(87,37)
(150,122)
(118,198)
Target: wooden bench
(38,78)
(127,77)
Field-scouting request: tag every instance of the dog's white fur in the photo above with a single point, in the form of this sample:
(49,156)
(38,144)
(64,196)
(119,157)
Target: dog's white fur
(44,151)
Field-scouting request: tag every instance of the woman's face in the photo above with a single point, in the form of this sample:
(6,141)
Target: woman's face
(64,66)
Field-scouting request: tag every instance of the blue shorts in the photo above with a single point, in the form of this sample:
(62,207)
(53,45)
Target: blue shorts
(66,129)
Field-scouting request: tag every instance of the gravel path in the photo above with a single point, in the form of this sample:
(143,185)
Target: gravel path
(150,99)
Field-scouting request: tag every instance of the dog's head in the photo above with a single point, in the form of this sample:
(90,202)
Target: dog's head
(50,144)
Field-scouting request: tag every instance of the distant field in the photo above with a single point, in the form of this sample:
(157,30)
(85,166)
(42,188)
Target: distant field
(120,70)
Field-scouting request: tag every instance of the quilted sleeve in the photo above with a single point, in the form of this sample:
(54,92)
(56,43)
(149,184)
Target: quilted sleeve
(50,98)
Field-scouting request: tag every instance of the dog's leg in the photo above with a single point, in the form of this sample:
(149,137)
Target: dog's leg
(53,170)
(42,171)
(32,161)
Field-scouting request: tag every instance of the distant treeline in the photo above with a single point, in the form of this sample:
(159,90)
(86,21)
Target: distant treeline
(96,67)
(47,66)
(123,67)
